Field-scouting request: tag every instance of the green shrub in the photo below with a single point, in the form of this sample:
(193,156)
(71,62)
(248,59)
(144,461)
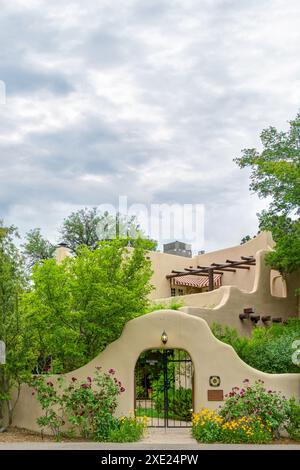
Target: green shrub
(230,336)
(257,402)
(249,415)
(87,406)
(268,349)
(179,403)
(293,425)
(128,429)
(207,426)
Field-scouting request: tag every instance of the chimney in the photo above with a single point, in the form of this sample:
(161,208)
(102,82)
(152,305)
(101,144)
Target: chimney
(62,251)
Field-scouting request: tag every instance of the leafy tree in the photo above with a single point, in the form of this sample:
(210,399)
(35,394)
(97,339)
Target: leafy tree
(276,175)
(36,247)
(80,306)
(13,330)
(88,227)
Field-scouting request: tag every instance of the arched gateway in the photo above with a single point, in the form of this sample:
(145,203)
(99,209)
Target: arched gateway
(164,387)
(216,366)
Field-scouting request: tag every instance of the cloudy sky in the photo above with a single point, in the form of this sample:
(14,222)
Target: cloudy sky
(151,99)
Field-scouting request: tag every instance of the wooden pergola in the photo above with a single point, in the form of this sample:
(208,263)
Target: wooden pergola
(215,268)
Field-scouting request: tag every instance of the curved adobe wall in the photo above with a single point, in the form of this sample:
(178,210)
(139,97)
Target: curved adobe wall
(209,356)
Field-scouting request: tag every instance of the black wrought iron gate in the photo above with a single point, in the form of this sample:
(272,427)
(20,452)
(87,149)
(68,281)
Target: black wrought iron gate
(164,388)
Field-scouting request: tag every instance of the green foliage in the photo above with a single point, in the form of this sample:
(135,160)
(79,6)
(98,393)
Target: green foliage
(268,349)
(209,426)
(180,402)
(172,305)
(276,175)
(88,406)
(293,424)
(80,306)
(251,414)
(257,402)
(230,336)
(36,247)
(180,399)
(20,354)
(245,239)
(247,430)
(80,228)
(128,429)
(89,226)
(286,233)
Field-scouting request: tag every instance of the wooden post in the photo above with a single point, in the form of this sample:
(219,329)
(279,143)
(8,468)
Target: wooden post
(211,279)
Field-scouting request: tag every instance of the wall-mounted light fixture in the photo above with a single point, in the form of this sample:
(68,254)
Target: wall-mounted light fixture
(164,337)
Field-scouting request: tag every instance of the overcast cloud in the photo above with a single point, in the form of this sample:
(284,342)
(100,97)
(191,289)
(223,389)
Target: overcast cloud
(146,98)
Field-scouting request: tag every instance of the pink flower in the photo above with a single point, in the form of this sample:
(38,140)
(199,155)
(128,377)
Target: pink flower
(84,386)
(89,379)
(111,371)
(122,389)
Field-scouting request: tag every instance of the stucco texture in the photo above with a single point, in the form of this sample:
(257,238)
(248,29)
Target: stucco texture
(187,332)
(224,305)
(163,264)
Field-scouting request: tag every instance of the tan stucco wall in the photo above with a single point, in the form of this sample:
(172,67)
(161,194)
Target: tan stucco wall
(224,304)
(163,263)
(187,332)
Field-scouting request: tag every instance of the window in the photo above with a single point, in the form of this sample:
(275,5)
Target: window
(180,291)
(173,292)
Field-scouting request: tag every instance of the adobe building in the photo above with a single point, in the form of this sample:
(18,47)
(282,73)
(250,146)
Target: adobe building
(234,287)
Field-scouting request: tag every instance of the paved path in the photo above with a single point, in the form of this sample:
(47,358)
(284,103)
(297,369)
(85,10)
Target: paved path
(156,439)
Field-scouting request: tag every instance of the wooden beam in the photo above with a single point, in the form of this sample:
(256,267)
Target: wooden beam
(211,283)
(237,263)
(218,265)
(194,273)
(240,266)
(183,273)
(229,266)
